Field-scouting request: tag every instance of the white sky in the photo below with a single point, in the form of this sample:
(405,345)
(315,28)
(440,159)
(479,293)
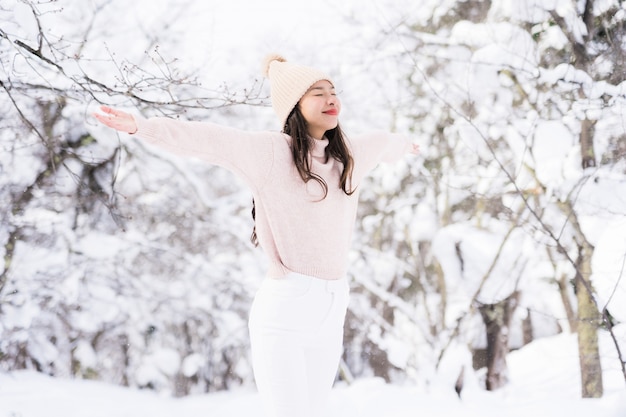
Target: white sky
(245,31)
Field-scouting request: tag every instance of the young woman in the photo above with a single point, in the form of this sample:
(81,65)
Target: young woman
(304,181)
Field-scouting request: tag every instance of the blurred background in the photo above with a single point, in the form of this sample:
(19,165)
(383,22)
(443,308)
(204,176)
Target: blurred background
(130,266)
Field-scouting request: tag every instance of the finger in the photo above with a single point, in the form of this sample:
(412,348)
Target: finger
(112,111)
(106,120)
(116,112)
(106,109)
(102,117)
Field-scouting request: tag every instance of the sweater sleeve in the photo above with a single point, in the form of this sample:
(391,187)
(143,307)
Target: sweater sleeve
(247,154)
(371,149)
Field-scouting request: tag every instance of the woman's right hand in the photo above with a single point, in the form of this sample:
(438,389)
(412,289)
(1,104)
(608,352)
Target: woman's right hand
(116,119)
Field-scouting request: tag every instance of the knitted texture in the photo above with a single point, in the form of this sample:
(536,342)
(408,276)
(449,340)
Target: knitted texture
(288,83)
(298,229)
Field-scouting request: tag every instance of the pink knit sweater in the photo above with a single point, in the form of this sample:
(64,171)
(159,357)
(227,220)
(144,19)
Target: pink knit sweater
(297,231)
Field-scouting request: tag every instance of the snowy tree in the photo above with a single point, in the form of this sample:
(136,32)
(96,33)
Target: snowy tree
(118,261)
(516,102)
(126,264)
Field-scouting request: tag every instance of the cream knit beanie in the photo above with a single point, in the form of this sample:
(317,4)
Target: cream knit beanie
(288,83)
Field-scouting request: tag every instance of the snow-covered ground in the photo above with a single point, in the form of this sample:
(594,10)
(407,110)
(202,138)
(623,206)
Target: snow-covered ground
(544,376)
(543,382)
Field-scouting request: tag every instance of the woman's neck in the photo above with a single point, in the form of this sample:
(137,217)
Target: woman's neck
(318,135)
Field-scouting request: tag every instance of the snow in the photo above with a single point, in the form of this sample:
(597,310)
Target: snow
(552,37)
(157,367)
(566,73)
(540,386)
(513,47)
(192,364)
(91,272)
(461,249)
(551,147)
(609,269)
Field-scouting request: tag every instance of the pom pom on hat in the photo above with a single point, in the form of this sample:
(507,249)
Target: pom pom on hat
(288,83)
(268,61)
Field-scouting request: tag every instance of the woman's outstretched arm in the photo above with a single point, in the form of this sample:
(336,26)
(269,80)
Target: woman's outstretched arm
(248,154)
(116,119)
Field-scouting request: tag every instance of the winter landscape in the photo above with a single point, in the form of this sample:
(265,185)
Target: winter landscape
(542,384)
(487,274)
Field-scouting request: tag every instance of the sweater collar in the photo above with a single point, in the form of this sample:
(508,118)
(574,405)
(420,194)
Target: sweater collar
(319,147)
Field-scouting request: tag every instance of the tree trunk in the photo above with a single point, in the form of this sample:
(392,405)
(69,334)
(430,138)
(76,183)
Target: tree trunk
(497,319)
(588,314)
(589,320)
(527,328)
(587,154)
(377,357)
(564,284)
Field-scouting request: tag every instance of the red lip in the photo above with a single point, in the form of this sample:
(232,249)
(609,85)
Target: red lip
(332,112)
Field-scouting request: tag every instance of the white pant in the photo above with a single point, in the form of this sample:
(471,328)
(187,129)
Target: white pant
(296,332)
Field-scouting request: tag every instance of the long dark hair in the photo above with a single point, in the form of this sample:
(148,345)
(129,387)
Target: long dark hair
(301,143)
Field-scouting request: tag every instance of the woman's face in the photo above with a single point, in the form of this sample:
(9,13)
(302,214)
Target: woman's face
(320,108)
